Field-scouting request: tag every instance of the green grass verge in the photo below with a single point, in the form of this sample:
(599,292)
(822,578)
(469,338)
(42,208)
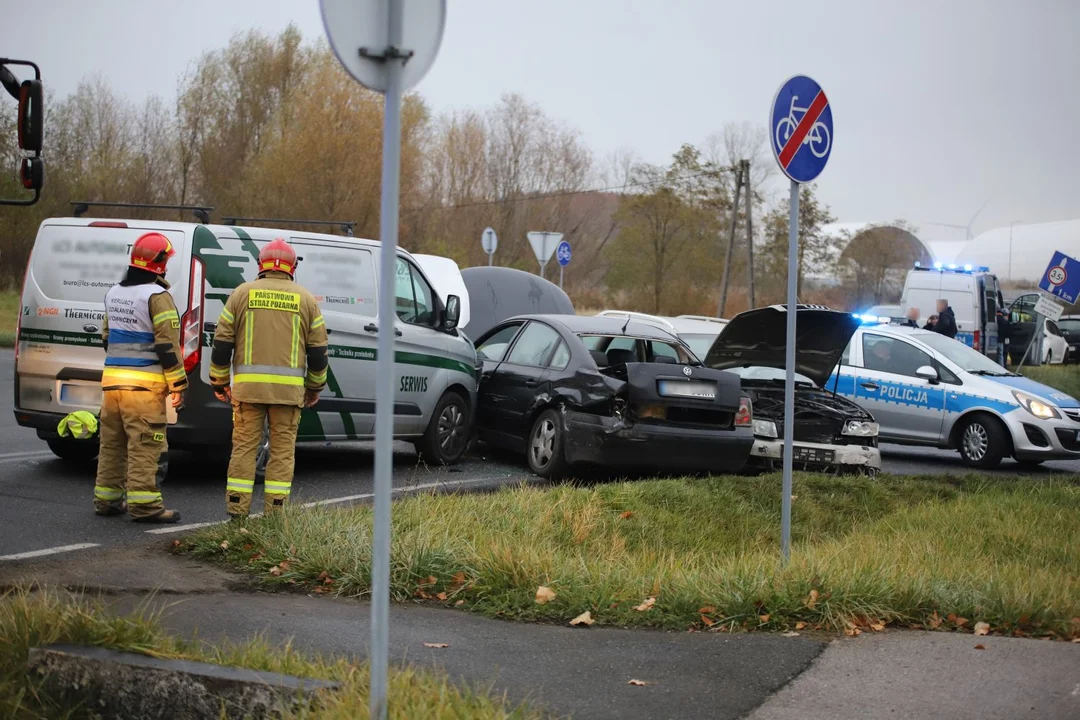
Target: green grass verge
(899,550)
(1065,378)
(35,619)
(9,317)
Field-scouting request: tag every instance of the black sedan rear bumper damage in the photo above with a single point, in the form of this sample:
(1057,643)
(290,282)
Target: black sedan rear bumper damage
(617,442)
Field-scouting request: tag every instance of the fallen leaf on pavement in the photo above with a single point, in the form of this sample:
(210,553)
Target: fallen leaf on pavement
(877,626)
(982,628)
(800,625)
(709,622)
(961,621)
(584,618)
(437,645)
(224,544)
(459,603)
(811,599)
(544,594)
(852,631)
(441,596)
(638,683)
(649,602)
(935,621)
(276,571)
(789,633)
(626,514)
(176,543)
(980,646)
(707,610)
(431,580)
(1076,639)
(763,618)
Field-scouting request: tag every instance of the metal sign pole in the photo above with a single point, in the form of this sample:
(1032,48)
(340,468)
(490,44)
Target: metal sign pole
(491,257)
(789,373)
(384,373)
(560,275)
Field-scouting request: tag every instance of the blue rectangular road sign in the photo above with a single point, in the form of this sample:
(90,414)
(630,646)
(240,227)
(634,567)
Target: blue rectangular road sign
(1062,277)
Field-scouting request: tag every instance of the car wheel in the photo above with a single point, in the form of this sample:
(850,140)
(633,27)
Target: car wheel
(447,434)
(263,455)
(982,442)
(74,452)
(545,446)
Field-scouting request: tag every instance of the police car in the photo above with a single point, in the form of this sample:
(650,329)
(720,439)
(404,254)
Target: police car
(926,389)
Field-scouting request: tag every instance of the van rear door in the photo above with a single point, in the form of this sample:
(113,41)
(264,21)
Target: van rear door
(71,268)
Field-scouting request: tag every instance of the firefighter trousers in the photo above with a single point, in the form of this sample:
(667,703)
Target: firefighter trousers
(132,460)
(248,421)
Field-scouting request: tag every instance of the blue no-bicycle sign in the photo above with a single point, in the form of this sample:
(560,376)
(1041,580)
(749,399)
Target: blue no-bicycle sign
(801,129)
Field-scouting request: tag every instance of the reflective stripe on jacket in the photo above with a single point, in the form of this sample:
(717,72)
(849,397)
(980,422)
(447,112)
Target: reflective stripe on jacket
(141,333)
(272,338)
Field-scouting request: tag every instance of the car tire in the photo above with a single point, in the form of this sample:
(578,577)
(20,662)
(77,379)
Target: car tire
(544,446)
(982,442)
(447,434)
(74,452)
(1030,464)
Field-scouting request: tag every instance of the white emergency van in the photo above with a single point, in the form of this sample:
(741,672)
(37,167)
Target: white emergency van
(75,260)
(973,293)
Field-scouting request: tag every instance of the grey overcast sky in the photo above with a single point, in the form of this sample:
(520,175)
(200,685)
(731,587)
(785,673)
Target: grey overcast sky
(938,104)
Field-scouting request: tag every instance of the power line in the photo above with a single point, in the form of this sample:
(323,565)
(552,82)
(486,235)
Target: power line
(567,193)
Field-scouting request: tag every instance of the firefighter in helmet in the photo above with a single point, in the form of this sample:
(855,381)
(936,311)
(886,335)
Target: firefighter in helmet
(143,370)
(272,337)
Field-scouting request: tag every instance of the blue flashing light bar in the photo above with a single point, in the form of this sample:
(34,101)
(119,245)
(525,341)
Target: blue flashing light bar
(952,267)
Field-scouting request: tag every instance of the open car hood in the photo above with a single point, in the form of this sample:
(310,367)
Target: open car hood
(497,293)
(757,337)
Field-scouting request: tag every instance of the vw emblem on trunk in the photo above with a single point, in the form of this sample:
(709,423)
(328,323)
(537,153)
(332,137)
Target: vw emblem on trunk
(90,328)
(687,371)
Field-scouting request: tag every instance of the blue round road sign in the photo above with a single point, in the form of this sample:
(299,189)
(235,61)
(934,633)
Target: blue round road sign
(562,253)
(801,129)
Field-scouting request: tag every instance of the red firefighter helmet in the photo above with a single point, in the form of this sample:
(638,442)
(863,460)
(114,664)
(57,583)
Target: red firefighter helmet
(277,255)
(151,252)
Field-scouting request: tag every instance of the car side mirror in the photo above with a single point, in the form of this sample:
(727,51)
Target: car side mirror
(927,373)
(452,312)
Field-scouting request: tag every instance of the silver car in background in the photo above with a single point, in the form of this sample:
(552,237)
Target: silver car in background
(926,389)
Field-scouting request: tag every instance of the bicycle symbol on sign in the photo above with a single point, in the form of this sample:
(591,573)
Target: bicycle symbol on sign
(817,138)
(564,253)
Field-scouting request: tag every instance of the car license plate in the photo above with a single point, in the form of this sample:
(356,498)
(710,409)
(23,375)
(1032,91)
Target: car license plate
(84,395)
(818,455)
(687,388)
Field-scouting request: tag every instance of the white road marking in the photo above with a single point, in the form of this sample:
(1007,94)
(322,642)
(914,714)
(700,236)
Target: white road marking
(329,501)
(48,551)
(15,457)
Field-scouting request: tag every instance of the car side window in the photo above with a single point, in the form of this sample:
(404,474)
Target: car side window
(495,346)
(662,349)
(1052,328)
(886,354)
(561,358)
(845,357)
(534,346)
(413,296)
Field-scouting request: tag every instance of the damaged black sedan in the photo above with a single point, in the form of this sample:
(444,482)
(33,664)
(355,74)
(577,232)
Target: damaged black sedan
(831,433)
(568,390)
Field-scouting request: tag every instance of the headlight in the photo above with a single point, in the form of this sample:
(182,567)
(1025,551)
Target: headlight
(765,428)
(1035,406)
(860,428)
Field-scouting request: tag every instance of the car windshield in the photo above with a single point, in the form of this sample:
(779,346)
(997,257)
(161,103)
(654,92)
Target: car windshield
(698,343)
(969,360)
(758,372)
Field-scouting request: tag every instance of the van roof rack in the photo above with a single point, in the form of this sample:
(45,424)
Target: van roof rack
(201,212)
(346,226)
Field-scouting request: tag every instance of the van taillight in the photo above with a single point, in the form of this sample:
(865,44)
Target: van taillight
(18,319)
(108,223)
(975,341)
(191,325)
(745,416)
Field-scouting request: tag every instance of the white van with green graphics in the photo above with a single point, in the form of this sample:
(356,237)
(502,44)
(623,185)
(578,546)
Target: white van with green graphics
(75,260)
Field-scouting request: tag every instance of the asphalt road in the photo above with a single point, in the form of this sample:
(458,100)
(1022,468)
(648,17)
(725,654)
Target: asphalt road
(46,505)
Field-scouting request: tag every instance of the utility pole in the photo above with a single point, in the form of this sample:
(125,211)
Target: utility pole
(1014,222)
(731,240)
(749,231)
